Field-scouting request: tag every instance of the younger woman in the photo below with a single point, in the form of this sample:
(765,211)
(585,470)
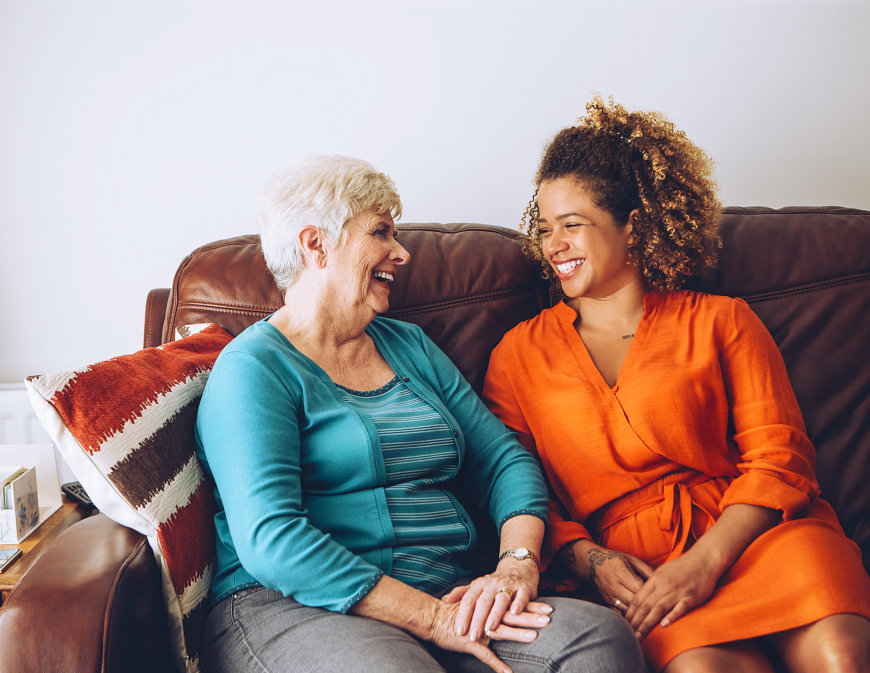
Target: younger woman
(682,477)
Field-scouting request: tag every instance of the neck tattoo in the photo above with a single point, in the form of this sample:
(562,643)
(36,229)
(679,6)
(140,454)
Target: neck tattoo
(627,336)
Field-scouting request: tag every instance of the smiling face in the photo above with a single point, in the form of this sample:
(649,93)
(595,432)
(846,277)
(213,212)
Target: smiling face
(583,243)
(363,267)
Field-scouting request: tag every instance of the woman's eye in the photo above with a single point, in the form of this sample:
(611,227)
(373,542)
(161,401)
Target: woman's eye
(543,232)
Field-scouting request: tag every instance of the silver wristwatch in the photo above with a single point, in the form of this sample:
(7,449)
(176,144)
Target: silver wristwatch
(520,554)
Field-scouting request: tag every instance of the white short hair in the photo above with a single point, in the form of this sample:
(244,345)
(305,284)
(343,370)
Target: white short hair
(323,191)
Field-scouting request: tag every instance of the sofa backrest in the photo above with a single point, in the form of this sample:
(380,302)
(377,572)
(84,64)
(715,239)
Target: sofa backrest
(466,285)
(805,272)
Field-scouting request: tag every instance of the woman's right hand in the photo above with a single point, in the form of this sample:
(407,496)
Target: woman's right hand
(443,634)
(429,618)
(617,576)
(521,628)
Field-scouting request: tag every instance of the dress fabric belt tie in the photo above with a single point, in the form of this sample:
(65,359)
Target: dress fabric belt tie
(673,491)
(677,516)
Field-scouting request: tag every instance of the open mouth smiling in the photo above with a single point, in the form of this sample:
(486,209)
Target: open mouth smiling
(568,267)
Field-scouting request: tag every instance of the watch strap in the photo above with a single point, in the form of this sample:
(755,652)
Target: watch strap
(521,554)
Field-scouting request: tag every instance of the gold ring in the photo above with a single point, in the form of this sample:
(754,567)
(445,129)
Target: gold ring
(504,590)
(617,604)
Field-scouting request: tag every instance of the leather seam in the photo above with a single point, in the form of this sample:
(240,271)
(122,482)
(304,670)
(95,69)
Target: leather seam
(226,308)
(463,301)
(443,304)
(745,211)
(808,288)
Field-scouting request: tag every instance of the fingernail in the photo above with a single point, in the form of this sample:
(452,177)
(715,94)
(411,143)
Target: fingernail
(530,636)
(548,608)
(543,619)
(665,622)
(639,635)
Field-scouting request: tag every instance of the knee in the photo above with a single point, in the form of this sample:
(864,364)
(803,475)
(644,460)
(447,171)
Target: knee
(595,638)
(612,626)
(846,654)
(590,616)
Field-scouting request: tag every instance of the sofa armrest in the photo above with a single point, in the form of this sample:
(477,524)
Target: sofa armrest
(155,315)
(91,602)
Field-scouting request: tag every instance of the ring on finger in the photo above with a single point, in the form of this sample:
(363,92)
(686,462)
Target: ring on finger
(505,590)
(489,634)
(617,604)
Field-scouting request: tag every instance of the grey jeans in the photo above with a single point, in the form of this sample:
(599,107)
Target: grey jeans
(258,630)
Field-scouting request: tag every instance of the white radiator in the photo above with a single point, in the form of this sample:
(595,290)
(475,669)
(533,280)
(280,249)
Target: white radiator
(19,425)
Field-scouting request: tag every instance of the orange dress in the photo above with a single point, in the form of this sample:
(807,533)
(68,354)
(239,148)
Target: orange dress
(702,416)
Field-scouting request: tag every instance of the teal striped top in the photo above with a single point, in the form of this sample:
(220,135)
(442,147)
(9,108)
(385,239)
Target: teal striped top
(419,455)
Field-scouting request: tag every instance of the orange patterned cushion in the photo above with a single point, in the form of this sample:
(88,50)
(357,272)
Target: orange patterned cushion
(125,427)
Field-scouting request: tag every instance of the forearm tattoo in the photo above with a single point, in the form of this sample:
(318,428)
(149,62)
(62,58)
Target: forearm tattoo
(597,558)
(565,556)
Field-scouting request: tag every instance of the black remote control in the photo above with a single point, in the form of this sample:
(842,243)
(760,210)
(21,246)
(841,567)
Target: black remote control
(74,491)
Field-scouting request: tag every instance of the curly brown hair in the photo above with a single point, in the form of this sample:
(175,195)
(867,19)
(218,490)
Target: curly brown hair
(638,160)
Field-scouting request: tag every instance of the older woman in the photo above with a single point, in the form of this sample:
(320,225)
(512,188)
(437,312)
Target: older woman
(334,437)
(683,477)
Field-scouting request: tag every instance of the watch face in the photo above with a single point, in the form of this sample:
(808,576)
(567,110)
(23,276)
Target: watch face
(521,552)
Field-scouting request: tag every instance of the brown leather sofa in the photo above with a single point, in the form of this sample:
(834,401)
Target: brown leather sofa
(92,601)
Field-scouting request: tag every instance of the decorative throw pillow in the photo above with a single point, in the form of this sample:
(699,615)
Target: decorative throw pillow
(125,427)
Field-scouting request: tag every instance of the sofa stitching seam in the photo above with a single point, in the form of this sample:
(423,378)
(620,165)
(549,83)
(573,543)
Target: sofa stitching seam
(466,300)
(439,305)
(807,288)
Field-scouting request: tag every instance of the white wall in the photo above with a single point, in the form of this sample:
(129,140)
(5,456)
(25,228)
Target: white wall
(132,132)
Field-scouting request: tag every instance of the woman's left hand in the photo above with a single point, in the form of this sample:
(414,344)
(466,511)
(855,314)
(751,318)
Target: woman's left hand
(680,585)
(503,597)
(673,589)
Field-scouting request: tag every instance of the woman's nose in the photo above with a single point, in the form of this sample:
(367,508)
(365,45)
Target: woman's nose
(399,254)
(554,243)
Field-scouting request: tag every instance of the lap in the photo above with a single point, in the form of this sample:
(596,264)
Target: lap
(260,630)
(582,637)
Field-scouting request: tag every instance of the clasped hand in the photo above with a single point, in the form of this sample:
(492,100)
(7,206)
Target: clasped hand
(473,614)
(500,604)
(649,596)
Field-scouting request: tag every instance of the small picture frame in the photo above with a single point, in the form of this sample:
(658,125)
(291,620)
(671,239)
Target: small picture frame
(8,557)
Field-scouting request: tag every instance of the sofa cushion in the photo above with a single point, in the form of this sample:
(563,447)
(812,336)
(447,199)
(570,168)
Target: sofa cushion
(125,427)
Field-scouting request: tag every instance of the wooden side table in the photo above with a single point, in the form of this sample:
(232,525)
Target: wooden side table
(32,546)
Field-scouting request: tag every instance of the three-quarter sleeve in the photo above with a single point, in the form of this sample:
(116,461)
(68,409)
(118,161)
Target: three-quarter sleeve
(777,459)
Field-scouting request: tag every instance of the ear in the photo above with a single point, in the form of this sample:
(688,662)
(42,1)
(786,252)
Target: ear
(633,218)
(311,241)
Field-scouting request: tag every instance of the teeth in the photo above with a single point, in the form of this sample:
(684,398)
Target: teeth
(567,267)
(383,275)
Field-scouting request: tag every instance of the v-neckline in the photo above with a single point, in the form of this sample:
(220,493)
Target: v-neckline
(568,316)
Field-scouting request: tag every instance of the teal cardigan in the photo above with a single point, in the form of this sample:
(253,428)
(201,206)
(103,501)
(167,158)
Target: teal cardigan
(300,477)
